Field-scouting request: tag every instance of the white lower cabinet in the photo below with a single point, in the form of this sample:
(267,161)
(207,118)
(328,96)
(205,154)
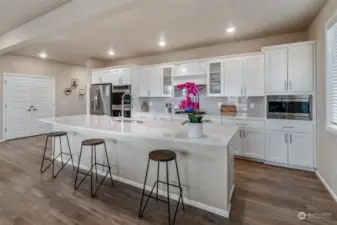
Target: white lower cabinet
(276,146)
(253,143)
(301,149)
(291,148)
(249,143)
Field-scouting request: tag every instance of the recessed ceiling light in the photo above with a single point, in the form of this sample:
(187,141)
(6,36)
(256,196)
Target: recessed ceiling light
(43,55)
(162,43)
(111,53)
(231,29)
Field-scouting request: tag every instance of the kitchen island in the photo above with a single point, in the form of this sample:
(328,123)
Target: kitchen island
(206,164)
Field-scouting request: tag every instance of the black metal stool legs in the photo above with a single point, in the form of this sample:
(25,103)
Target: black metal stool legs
(52,161)
(71,155)
(181,189)
(93,163)
(107,161)
(156,184)
(141,210)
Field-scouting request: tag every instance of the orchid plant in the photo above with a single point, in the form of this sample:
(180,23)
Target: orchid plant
(191,104)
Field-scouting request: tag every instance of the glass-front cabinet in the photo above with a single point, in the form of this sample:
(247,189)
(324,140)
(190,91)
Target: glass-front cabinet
(215,82)
(167,84)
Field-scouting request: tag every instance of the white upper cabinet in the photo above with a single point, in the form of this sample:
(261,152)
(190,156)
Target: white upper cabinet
(289,68)
(276,62)
(190,69)
(300,68)
(215,78)
(233,70)
(244,76)
(115,76)
(253,75)
(155,81)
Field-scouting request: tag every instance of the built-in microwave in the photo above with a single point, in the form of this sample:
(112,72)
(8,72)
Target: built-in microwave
(294,107)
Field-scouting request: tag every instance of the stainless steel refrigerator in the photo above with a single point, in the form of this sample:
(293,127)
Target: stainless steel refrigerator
(100,99)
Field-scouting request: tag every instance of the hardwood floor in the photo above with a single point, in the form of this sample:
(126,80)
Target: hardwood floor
(264,195)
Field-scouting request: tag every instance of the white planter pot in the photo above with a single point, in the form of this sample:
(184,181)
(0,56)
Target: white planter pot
(195,130)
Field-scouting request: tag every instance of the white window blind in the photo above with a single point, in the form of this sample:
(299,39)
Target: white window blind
(331,76)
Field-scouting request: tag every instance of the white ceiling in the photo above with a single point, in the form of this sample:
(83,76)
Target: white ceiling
(185,23)
(14,13)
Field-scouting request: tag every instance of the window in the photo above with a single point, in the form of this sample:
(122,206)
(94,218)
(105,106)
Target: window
(331,75)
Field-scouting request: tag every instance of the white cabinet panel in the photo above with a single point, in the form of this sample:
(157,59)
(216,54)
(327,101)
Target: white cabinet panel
(253,143)
(300,68)
(192,68)
(166,73)
(253,79)
(236,143)
(233,69)
(276,64)
(277,146)
(301,149)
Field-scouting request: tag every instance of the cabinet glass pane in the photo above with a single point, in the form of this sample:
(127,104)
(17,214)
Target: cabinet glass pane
(215,78)
(167,81)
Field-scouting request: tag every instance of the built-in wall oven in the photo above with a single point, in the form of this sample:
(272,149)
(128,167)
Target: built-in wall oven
(116,101)
(294,107)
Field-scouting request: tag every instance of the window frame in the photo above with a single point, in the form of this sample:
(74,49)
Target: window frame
(331,22)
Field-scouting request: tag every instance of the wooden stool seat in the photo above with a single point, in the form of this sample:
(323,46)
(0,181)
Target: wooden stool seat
(92,142)
(162,155)
(57,134)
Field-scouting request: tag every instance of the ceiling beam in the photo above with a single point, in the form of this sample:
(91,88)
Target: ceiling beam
(69,14)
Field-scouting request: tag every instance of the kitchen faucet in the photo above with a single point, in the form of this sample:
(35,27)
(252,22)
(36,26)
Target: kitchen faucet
(131,100)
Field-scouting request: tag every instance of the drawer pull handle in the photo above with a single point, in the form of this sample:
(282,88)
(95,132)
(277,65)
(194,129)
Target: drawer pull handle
(288,127)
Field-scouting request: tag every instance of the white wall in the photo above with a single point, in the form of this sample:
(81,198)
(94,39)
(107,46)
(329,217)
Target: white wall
(63,73)
(326,142)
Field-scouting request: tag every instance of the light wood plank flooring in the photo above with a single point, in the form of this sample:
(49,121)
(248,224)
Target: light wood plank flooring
(264,195)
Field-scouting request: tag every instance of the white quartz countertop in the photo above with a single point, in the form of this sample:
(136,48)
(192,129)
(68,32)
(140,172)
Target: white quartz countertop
(214,134)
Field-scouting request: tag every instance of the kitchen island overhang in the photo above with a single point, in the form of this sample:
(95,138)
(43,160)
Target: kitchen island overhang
(206,165)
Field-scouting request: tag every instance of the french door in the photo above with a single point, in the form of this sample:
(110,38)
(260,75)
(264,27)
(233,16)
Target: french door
(27,99)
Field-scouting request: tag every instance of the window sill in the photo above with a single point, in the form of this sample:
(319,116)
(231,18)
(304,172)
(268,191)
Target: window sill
(331,128)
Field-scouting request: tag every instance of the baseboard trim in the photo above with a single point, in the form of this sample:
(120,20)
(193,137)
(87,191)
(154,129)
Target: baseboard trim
(332,193)
(287,166)
(173,196)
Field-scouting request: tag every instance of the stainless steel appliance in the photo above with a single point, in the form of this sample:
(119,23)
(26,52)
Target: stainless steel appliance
(100,99)
(294,107)
(117,101)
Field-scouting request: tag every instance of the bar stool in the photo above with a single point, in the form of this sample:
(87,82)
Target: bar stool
(162,156)
(93,143)
(55,135)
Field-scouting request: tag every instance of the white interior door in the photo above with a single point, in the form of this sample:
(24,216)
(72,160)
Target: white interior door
(27,99)
(43,104)
(17,103)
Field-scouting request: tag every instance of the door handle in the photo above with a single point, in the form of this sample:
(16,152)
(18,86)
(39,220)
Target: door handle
(290,137)
(286,138)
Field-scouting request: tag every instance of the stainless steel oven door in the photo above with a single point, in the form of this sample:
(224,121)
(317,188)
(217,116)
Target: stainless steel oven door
(296,107)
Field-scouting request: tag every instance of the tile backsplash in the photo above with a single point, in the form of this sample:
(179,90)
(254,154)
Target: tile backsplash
(250,106)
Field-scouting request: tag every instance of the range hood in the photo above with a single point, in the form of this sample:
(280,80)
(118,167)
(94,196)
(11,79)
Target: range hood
(190,72)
